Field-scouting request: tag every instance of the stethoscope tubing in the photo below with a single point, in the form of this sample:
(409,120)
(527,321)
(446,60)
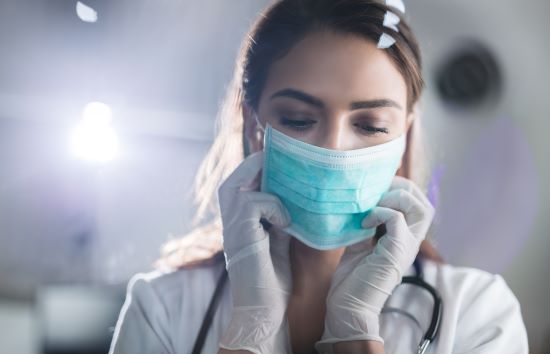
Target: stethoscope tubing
(417,279)
(437,313)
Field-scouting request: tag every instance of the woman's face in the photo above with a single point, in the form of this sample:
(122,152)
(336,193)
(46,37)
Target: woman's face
(335,91)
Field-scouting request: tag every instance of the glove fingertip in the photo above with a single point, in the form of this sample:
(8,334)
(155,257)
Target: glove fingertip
(283,216)
(370,220)
(280,219)
(284,219)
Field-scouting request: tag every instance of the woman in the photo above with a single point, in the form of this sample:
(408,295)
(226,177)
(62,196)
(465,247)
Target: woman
(338,80)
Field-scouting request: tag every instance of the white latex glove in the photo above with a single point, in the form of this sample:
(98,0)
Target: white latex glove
(364,280)
(258,265)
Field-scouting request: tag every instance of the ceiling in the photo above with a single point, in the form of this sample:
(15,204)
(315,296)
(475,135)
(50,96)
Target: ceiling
(163,58)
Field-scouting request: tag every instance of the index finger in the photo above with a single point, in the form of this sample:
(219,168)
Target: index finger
(399,182)
(245,173)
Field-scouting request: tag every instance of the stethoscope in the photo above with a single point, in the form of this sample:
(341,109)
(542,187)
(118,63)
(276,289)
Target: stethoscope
(417,279)
(437,312)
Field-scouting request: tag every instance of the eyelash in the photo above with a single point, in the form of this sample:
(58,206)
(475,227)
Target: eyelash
(303,124)
(297,124)
(373,130)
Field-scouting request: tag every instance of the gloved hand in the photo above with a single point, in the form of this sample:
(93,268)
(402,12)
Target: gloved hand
(365,276)
(258,265)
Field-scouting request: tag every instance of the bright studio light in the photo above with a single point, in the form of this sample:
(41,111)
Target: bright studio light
(86,13)
(95,139)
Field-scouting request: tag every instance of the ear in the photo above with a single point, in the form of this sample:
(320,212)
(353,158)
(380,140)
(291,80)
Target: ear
(411,116)
(253,136)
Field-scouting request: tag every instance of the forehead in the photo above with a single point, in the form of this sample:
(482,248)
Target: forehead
(337,68)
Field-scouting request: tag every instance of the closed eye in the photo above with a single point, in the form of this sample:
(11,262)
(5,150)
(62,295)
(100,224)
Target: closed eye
(297,123)
(370,130)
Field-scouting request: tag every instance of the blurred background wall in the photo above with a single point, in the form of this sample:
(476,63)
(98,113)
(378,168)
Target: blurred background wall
(73,231)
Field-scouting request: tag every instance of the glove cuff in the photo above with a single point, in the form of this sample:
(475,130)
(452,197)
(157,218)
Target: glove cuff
(326,346)
(257,330)
(249,250)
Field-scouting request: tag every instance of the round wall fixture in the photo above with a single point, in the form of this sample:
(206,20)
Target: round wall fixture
(469,76)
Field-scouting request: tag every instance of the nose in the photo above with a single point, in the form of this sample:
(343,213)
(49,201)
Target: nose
(334,135)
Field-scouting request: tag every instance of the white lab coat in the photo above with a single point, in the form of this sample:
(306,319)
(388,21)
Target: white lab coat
(163,312)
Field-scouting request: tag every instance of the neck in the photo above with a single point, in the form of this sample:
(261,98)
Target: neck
(312,272)
(312,269)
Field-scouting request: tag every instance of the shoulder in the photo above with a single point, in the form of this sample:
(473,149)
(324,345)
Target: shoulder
(468,284)
(160,304)
(480,307)
(164,287)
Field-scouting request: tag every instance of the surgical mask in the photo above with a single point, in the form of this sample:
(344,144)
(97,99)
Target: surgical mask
(328,192)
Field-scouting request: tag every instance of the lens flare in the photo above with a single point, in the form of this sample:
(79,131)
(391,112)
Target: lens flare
(94,138)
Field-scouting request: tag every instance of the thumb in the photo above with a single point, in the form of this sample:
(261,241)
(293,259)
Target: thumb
(270,208)
(394,220)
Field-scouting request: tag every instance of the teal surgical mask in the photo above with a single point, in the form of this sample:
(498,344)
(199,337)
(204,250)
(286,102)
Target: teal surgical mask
(328,192)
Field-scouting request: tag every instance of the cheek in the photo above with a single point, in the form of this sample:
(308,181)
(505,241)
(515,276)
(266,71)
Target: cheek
(398,126)
(401,128)
(273,118)
(267,116)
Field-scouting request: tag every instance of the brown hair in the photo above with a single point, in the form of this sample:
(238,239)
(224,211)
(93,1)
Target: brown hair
(274,33)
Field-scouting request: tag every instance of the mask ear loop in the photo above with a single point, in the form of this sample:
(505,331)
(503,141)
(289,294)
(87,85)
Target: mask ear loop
(259,128)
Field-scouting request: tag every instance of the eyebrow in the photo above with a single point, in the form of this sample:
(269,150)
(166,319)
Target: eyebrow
(314,101)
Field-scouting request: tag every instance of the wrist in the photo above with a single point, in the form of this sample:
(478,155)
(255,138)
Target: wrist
(359,346)
(229,351)
(350,330)
(245,334)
